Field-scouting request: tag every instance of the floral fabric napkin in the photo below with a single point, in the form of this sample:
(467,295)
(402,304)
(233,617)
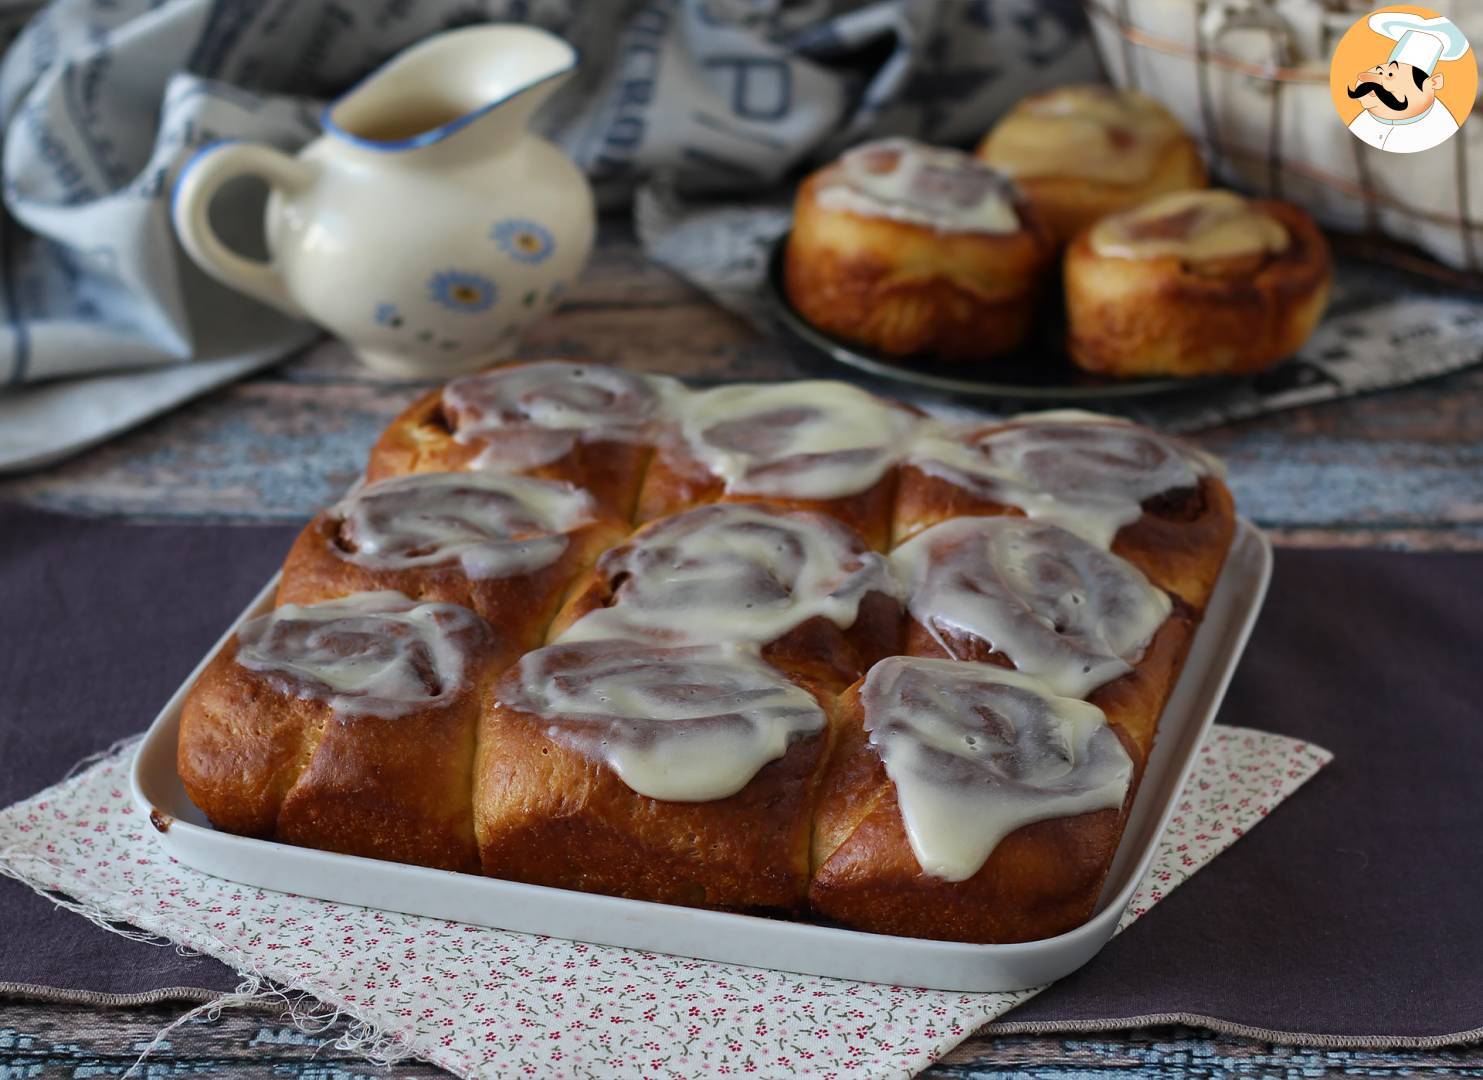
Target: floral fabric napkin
(483,1002)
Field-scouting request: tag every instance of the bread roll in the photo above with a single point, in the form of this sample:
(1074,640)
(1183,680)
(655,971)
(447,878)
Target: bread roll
(968,803)
(1196,283)
(907,249)
(347,726)
(684,776)
(509,547)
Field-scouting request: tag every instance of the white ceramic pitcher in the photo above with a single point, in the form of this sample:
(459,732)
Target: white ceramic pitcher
(427,226)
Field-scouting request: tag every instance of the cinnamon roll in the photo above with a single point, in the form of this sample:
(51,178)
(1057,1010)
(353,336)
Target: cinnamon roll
(1195,283)
(1157,502)
(684,776)
(801,587)
(966,802)
(347,726)
(584,424)
(908,248)
(508,547)
(1079,153)
(813,445)
(1032,596)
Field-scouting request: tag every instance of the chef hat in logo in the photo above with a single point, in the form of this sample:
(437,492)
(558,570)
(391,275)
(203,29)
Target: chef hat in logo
(1420,42)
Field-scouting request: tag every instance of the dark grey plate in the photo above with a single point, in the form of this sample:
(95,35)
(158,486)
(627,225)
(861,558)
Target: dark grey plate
(1040,372)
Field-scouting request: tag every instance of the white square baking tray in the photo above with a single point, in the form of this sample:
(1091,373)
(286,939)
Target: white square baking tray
(736,939)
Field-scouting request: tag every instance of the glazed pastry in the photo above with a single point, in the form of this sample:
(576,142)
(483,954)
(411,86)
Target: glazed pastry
(684,776)
(347,726)
(1195,283)
(1079,153)
(799,586)
(585,424)
(1031,596)
(966,802)
(508,547)
(1157,502)
(907,248)
(816,445)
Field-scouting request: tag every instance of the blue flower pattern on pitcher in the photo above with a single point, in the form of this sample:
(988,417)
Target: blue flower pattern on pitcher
(524,240)
(462,291)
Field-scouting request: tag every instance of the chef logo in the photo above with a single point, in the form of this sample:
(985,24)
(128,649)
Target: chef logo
(1404,79)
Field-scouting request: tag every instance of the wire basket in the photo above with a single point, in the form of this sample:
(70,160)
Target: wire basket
(1250,79)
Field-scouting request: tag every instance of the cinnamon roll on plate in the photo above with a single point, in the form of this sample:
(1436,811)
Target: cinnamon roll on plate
(1079,153)
(907,249)
(584,424)
(1195,283)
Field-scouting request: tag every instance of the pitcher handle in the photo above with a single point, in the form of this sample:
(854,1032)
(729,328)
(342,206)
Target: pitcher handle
(196,187)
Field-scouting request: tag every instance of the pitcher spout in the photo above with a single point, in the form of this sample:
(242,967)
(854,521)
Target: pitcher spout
(493,76)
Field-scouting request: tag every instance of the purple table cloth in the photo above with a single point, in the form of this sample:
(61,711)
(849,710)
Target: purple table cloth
(1350,917)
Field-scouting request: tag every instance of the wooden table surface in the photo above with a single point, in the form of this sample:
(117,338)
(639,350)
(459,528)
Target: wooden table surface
(1401,469)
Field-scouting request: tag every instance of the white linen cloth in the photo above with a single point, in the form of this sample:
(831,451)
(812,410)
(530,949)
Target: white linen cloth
(489,1003)
(102,102)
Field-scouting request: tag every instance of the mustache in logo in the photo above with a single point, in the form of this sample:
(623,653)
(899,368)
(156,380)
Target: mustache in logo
(1389,100)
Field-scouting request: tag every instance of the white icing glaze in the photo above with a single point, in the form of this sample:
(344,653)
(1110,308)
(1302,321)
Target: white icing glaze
(734,572)
(940,188)
(1084,472)
(1071,614)
(976,751)
(811,439)
(685,725)
(492,525)
(1091,132)
(533,414)
(1195,226)
(370,654)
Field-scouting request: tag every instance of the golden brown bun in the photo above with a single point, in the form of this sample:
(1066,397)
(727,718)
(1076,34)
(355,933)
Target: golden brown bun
(522,605)
(420,440)
(1067,204)
(903,288)
(1179,543)
(259,761)
(547,814)
(1162,316)
(1042,879)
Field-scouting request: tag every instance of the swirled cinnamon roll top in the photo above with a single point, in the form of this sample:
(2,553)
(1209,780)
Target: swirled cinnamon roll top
(737,572)
(684,725)
(371,654)
(529,415)
(936,187)
(974,752)
(491,525)
(1087,473)
(1058,608)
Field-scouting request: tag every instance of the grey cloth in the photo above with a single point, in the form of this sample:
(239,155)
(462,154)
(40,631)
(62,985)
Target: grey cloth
(1349,918)
(103,101)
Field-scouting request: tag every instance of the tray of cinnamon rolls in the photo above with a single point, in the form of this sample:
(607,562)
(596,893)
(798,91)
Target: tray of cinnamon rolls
(1077,254)
(781,674)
